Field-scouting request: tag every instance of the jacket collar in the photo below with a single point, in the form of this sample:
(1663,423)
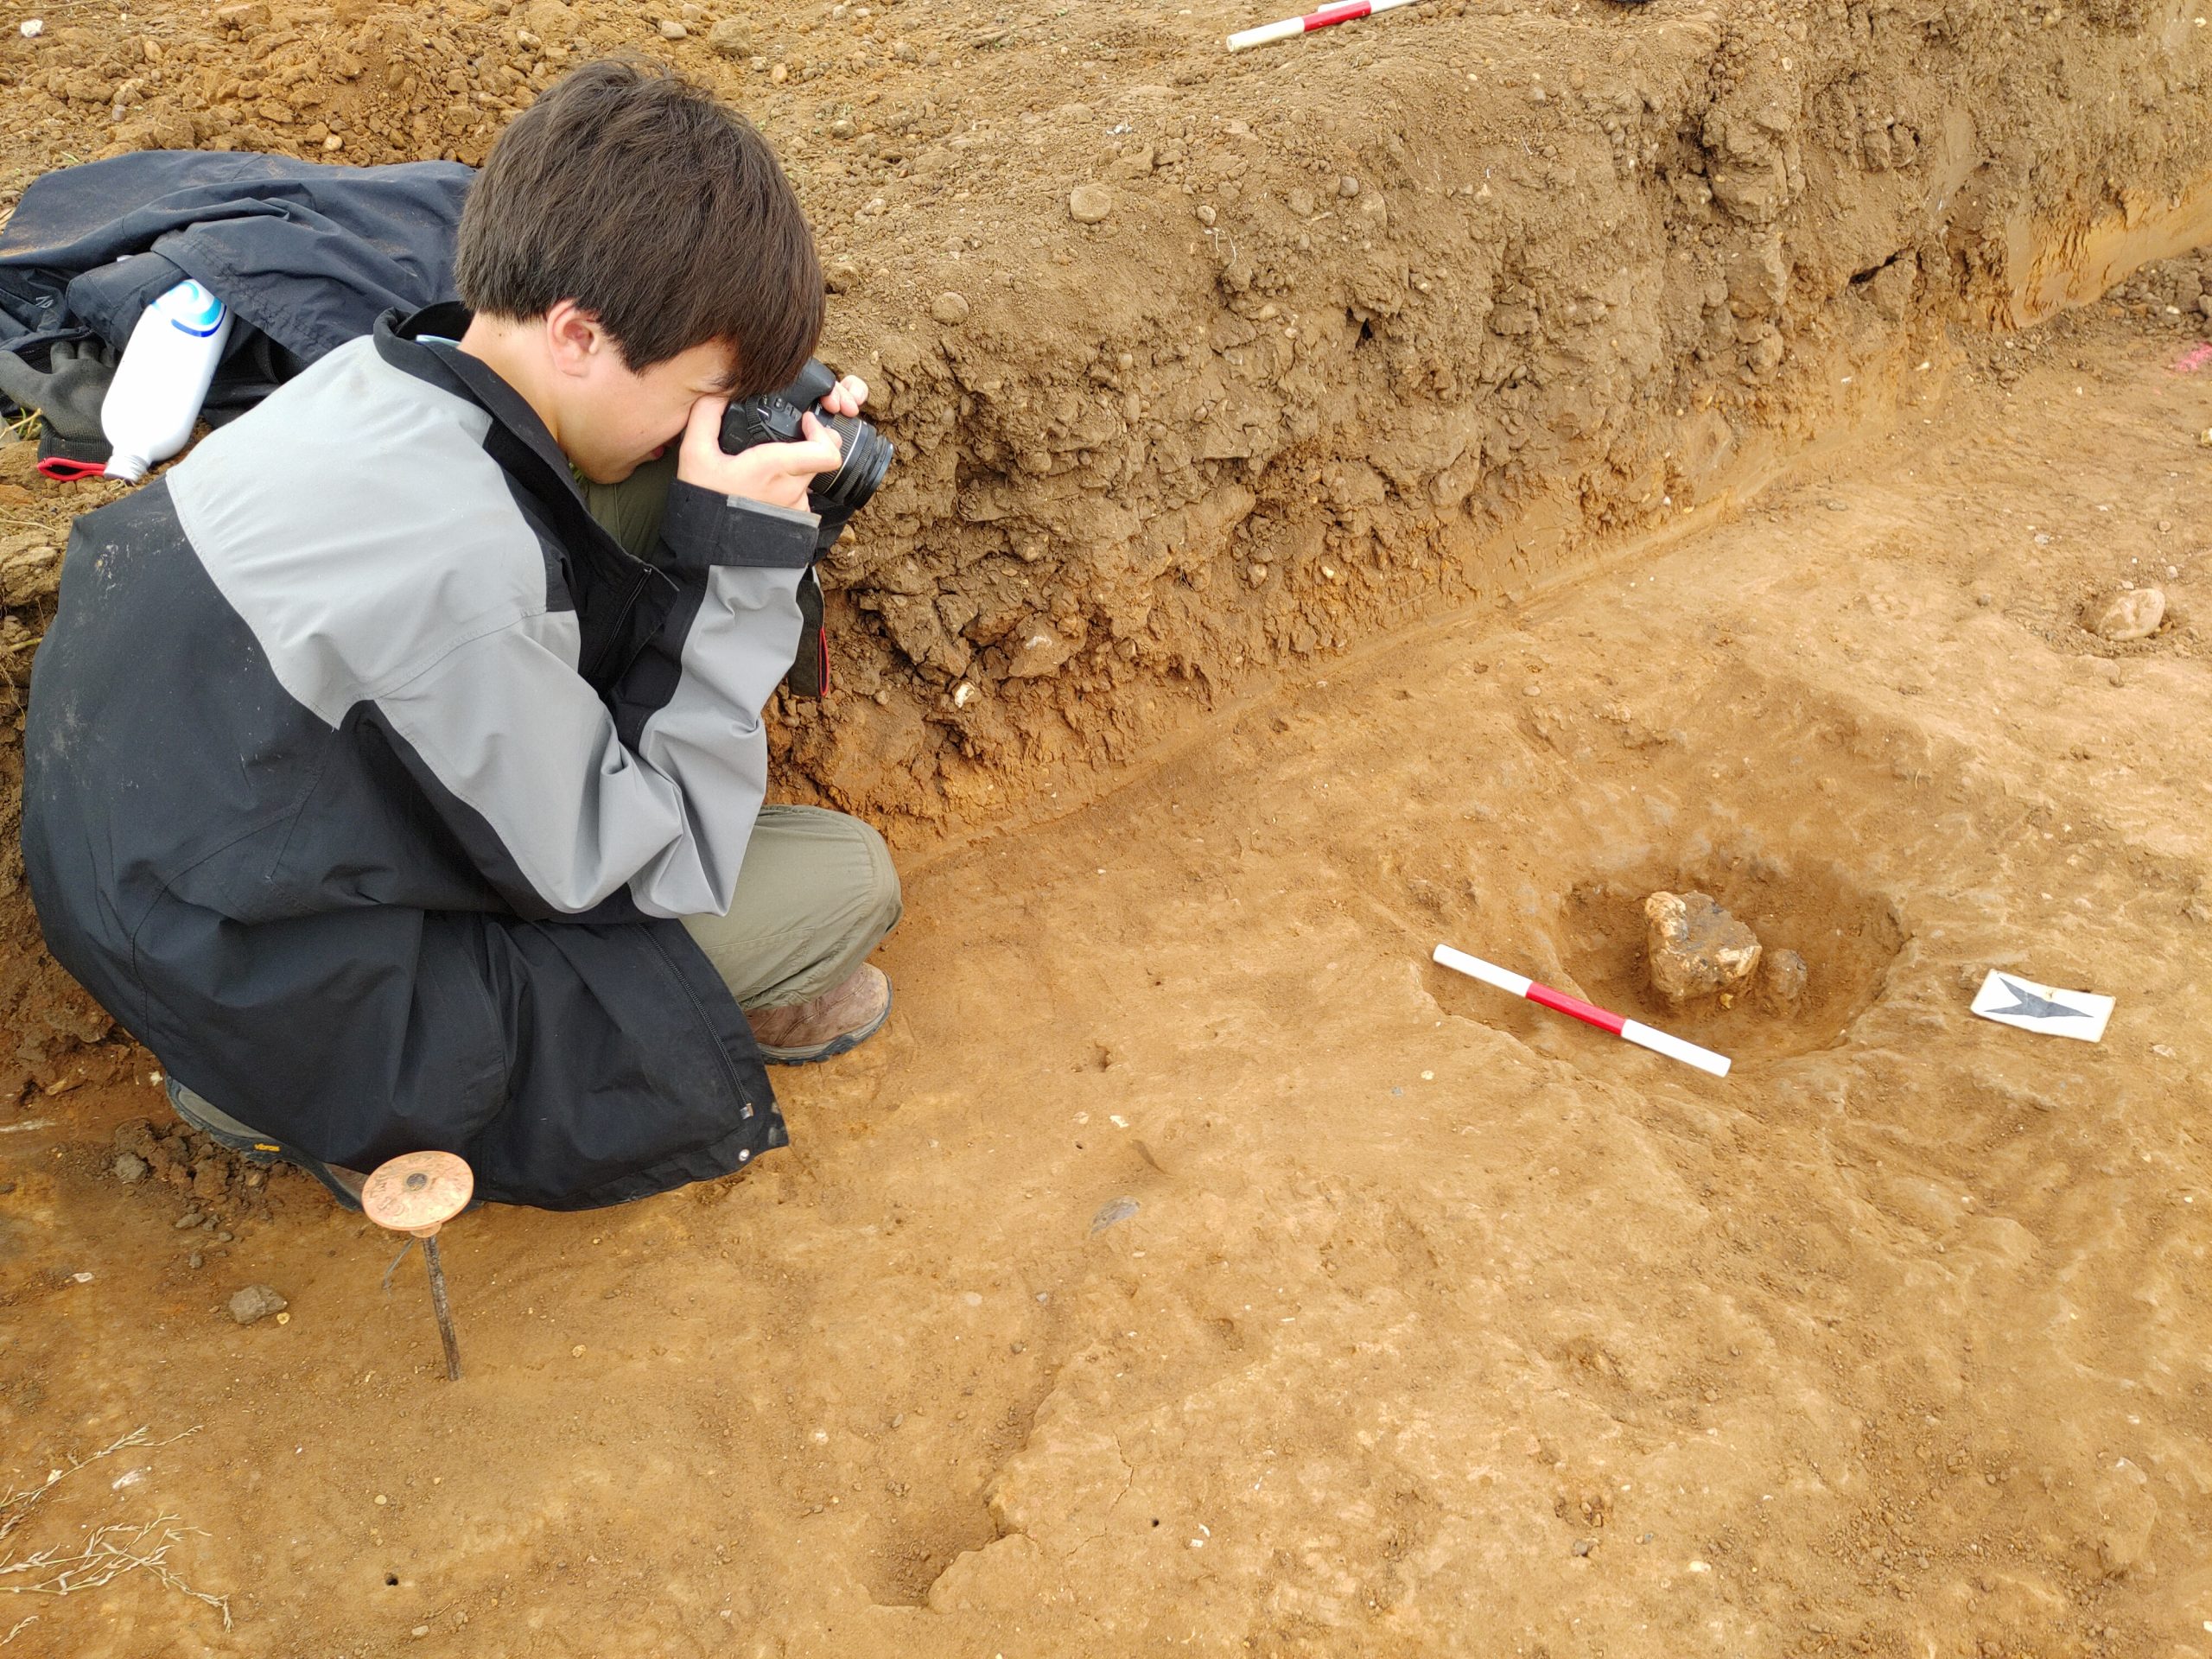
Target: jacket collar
(422,345)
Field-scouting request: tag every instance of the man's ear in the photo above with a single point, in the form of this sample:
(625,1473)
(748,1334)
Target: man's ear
(575,337)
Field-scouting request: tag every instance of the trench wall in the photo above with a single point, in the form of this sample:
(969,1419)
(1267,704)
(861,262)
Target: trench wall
(1204,368)
(1427,318)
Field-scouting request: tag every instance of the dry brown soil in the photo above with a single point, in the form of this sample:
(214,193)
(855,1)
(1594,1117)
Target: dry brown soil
(1432,1324)
(1191,1266)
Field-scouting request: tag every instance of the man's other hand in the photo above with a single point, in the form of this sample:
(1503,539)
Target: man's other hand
(777,474)
(847,396)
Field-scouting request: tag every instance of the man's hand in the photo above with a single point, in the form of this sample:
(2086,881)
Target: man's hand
(777,474)
(847,396)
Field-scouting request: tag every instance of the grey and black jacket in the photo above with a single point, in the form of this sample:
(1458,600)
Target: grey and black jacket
(367,777)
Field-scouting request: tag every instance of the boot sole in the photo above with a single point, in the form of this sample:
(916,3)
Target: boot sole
(257,1148)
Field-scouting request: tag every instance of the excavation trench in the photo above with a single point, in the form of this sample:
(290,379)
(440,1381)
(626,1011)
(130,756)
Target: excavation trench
(1480,469)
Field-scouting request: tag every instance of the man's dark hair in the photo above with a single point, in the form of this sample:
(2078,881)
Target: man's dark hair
(634,193)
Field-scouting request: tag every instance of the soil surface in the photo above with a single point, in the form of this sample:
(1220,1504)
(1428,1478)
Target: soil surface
(1490,463)
(1190,1265)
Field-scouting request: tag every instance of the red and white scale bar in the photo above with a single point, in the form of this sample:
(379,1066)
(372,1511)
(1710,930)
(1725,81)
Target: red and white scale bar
(1642,1035)
(1344,12)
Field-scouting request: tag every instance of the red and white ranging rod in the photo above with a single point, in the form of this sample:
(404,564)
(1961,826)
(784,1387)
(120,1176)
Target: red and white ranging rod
(1343,12)
(1642,1035)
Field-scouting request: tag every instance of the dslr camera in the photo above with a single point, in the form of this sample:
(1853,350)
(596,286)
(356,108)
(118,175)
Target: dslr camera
(773,417)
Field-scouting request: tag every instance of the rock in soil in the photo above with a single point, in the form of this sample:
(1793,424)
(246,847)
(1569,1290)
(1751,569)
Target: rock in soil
(1695,948)
(1781,981)
(130,1167)
(257,1302)
(1089,204)
(2132,615)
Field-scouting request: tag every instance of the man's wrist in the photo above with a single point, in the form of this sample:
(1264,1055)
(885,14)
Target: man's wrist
(704,527)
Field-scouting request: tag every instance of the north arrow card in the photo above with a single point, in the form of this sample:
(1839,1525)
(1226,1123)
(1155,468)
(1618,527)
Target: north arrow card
(2012,1001)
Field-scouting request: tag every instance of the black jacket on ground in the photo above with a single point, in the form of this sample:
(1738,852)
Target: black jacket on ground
(305,255)
(365,777)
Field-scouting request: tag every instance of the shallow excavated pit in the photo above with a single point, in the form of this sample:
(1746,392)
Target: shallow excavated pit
(1590,942)
(1847,937)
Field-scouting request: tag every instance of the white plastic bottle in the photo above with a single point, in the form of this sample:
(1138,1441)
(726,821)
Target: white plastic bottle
(162,380)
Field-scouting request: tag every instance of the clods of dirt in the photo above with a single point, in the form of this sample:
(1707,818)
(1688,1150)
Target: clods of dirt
(2172,291)
(221,1187)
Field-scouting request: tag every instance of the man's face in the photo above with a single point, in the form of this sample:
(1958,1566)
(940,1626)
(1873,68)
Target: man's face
(618,418)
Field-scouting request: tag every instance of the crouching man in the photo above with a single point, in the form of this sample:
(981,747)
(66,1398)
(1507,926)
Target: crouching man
(387,798)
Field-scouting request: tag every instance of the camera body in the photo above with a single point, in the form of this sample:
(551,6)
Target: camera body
(774,417)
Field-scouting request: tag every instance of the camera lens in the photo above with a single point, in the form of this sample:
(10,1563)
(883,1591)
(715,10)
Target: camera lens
(866,457)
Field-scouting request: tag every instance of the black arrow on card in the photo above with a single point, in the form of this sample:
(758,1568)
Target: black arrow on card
(2037,1007)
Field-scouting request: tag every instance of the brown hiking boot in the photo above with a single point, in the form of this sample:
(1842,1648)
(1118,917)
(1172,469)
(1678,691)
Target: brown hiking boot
(843,1017)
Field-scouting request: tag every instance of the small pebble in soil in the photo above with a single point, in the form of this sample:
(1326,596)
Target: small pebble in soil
(2132,615)
(1347,187)
(1118,1210)
(32,27)
(1582,1547)
(195,1261)
(189,1219)
(672,31)
(1693,948)
(257,1302)
(1090,204)
(130,1167)
(949,307)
